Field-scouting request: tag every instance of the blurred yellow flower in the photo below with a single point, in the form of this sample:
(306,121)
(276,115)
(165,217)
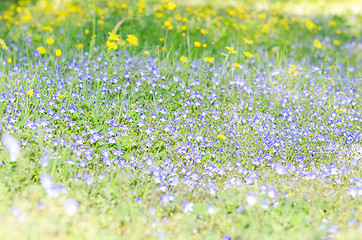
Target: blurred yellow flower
(101,22)
(221,137)
(50,41)
(41,50)
(203,31)
(62,95)
(111,45)
(231,50)
(9,60)
(197,44)
(58,52)
(167,23)
(183,59)
(317,44)
(146,53)
(310,25)
(132,39)
(86,31)
(79,46)
(113,37)
(3,44)
(336,43)
(247,41)
(248,54)
(209,59)
(237,65)
(171,6)
(30,93)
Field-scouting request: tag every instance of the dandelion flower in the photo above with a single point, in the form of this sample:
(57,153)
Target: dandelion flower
(209,59)
(248,54)
(197,44)
(113,37)
(183,59)
(317,44)
(132,39)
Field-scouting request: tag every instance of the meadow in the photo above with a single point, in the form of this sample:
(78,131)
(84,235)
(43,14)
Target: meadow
(180,119)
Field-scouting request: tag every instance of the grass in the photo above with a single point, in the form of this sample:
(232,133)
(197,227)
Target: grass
(255,134)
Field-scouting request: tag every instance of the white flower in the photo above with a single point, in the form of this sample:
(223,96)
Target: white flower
(70,206)
(12,145)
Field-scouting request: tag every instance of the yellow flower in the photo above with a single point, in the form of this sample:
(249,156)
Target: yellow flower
(30,93)
(62,95)
(197,44)
(86,31)
(183,28)
(111,45)
(317,44)
(163,49)
(113,37)
(209,59)
(336,43)
(161,39)
(41,50)
(132,39)
(3,44)
(221,137)
(122,43)
(47,28)
(146,53)
(124,6)
(203,31)
(9,60)
(231,50)
(79,46)
(310,25)
(204,45)
(237,65)
(101,22)
(183,59)
(50,41)
(248,54)
(58,52)
(167,23)
(247,41)
(171,6)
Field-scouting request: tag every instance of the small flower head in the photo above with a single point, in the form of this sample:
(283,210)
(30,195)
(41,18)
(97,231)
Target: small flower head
(317,44)
(197,44)
(111,45)
(183,59)
(132,39)
(113,37)
(248,54)
(58,52)
(209,59)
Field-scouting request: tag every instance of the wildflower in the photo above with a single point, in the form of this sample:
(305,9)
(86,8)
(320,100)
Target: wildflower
(146,53)
(86,31)
(70,206)
(336,43)
(251,199)
(30,93)
(237,65)
(9,60)
(50,41)
(204,45)
(210,210)
(310,25)
(12,145)
(247,41)
(248,54)
(113,37)
(221,137)
(167,23)
(41,50)
(132,39)
(187,207)
(3,44)
(62,95)
(111,45)
(317,44)
(183,59)
(101,22)
(197,44)
(58,52)
(79,46)
(231,50)
(171,5)
(203,31)
(209,59)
